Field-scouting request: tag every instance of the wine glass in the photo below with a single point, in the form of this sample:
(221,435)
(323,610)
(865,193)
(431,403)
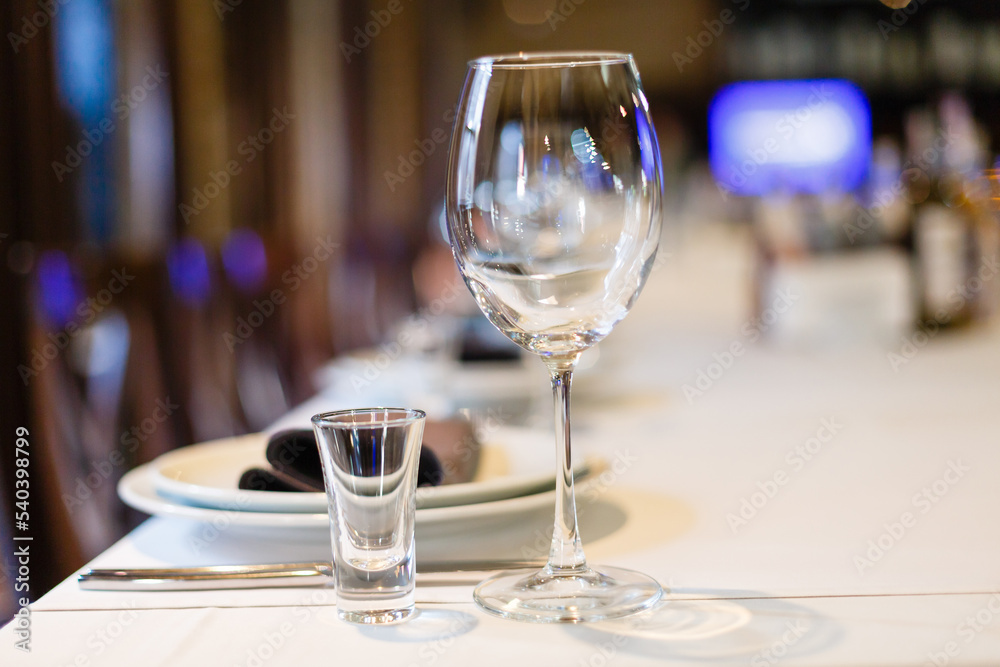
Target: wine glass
(553,205)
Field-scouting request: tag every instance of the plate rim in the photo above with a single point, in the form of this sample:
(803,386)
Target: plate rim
(451,495)
(136,490)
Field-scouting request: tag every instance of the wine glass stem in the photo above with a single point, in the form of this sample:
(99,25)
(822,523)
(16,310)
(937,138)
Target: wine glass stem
(566,552)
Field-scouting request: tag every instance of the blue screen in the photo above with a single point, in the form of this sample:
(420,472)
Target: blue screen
(804,136)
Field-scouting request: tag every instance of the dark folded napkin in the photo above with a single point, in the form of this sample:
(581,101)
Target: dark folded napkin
(450,453)
(481,342)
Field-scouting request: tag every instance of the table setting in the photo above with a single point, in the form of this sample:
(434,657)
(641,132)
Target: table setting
(801,508)
(201,482)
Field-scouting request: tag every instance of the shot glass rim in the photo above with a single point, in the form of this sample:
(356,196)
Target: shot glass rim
(328,419)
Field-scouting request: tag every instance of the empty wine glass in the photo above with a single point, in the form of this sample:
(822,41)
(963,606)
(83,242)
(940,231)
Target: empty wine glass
(553,202)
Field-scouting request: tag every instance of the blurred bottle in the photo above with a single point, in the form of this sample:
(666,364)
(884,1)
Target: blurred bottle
(952,227)
(889,212)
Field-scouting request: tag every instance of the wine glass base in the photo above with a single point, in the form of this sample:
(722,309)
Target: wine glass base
(575,596)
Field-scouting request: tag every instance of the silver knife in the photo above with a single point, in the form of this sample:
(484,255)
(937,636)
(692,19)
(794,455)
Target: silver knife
(214,577)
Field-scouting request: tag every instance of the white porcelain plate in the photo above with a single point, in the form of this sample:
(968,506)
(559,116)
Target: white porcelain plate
(137,489)
(207,475)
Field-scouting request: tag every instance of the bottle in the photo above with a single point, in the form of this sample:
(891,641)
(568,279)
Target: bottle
(948,214)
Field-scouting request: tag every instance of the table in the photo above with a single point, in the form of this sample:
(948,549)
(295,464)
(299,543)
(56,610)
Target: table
(813,506)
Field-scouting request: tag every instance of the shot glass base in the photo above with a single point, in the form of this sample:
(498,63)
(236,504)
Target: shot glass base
(567,597)
(377,616)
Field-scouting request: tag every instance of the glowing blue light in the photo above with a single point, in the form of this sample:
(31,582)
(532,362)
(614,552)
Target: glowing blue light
(187,265)
(59,291)
(85,57)
(649,149)
(511,137)
(245,259)
(808,136)
(583,146)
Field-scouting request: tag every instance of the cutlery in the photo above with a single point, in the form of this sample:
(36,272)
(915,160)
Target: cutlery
(214,577)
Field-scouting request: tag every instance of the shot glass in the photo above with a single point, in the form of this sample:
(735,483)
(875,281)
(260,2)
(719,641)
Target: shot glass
(369,459)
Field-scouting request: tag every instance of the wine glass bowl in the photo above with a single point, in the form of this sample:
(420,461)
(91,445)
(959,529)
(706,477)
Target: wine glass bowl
(555,181)
(553,203)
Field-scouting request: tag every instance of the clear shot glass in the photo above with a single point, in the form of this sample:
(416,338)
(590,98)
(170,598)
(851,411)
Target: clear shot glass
(369,458)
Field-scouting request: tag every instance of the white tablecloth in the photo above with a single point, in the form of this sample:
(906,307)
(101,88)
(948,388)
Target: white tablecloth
(812,506)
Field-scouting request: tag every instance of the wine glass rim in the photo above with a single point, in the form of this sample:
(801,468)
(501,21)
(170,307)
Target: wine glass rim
(543,59)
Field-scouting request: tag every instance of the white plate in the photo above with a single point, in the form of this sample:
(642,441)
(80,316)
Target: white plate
(137,490)
(207,475)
